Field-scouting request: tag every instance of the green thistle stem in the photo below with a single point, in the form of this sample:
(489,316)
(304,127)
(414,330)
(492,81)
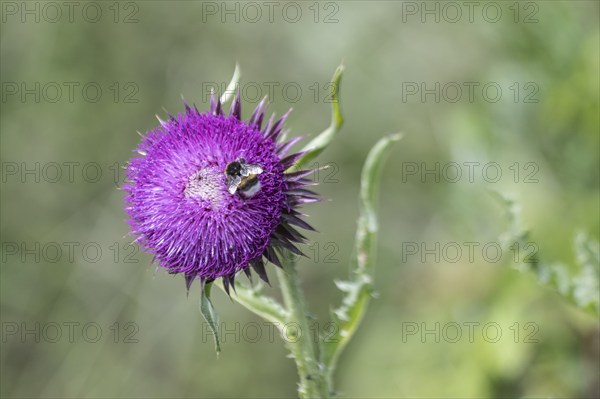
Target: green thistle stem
(313,383)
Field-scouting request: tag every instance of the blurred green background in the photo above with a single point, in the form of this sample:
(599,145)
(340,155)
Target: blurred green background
(143,55)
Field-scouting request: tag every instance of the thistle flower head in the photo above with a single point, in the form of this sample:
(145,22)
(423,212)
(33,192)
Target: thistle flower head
(209,195)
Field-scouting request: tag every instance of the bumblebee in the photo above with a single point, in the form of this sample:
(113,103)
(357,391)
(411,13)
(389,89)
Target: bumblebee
(242,177)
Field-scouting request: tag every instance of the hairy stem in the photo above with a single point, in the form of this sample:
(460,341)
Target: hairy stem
(313,382)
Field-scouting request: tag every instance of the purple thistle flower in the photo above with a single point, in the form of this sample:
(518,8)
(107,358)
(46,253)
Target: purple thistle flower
(209,195)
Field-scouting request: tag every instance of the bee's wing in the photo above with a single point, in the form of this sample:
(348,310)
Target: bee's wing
(232,183)
(248,170)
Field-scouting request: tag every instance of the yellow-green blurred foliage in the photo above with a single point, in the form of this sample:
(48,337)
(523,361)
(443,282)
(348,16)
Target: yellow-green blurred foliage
(176,48)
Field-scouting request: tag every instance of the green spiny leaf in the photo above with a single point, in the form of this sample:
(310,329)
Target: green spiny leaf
(232,86)
(580,288)
(359,288)
(254,299)
(586,284)
(210,315)
(319,143)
